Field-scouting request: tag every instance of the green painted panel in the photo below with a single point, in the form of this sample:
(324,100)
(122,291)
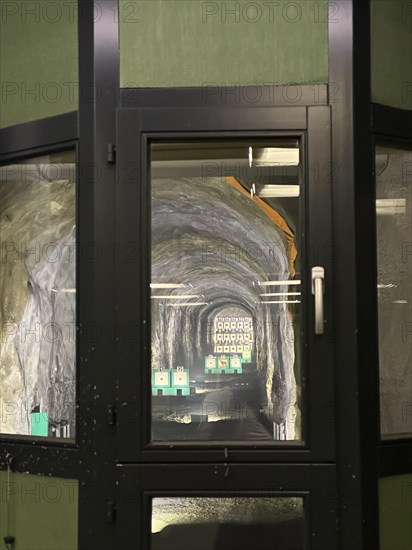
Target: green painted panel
(40,512)
(391,52)
(38,60)
(395,512)
(171,43)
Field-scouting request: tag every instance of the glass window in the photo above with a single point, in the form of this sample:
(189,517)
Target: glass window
(226,291)
(223,523)
(38,296)
(394,256)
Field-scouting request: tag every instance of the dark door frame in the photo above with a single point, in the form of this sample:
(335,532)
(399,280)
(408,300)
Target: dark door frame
(206,469)
(135,127)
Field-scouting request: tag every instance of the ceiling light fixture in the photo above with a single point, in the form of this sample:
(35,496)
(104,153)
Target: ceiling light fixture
(282,294)
(390,206)
(282,302)
(273,191)
(177,297)
(277,283)
(67,290)
(187,304)
(275,156)
(167,285)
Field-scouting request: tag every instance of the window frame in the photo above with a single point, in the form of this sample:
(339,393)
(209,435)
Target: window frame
(390,126)
(135,127)
(43,455)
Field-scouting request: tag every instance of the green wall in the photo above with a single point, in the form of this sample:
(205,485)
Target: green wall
(395,510)
(391,51)
(40,512)
(167,43)
(38,59)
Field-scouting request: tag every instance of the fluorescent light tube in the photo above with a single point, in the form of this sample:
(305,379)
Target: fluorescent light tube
(272,190)
(282,294)
(276,283)
(167,285)
(68,290)
(177,297)
(272,156)
(184,304)
(390,206)
(283,302)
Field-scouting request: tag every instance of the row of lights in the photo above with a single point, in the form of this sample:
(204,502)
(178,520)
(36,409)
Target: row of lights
(196,296)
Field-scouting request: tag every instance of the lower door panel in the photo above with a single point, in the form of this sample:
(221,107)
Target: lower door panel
(224,507)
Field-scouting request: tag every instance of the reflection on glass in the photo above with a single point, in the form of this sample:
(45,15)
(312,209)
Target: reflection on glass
(394,254)
(38,296)
(225,291)
(241,523)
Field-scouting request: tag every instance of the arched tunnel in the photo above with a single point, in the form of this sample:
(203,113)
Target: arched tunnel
(213,251)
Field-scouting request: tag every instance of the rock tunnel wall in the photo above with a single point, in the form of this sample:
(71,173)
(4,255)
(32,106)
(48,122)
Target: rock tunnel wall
(219,244)
(38,302)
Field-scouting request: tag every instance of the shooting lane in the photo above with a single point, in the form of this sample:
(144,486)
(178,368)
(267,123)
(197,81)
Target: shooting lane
(224,350)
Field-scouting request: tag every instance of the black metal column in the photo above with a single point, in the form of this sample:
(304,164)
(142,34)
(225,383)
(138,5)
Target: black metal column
(355,330)
(99,83)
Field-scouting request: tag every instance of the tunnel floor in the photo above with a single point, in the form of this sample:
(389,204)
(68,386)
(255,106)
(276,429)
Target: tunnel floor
(282,535)
(224,407)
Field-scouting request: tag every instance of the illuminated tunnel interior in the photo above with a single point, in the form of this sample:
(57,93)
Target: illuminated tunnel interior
(227,523)
(38,296)
(216,254)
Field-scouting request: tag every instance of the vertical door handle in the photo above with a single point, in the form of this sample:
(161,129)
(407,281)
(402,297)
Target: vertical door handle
(318,289)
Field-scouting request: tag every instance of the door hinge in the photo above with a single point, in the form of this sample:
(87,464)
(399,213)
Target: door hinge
(111,153)
(111,415)
(110,512)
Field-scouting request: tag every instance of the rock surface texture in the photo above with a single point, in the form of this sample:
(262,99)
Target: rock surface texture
(38,301)
(219,244)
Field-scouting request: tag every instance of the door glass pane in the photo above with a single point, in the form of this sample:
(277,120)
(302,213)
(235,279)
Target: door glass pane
(226,290)
(394,255)
(38,296)
(184,523)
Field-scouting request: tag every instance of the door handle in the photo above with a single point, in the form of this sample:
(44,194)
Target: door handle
(318,289)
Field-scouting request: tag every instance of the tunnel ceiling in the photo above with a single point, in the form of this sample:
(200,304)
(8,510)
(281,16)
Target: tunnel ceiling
(219,244)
